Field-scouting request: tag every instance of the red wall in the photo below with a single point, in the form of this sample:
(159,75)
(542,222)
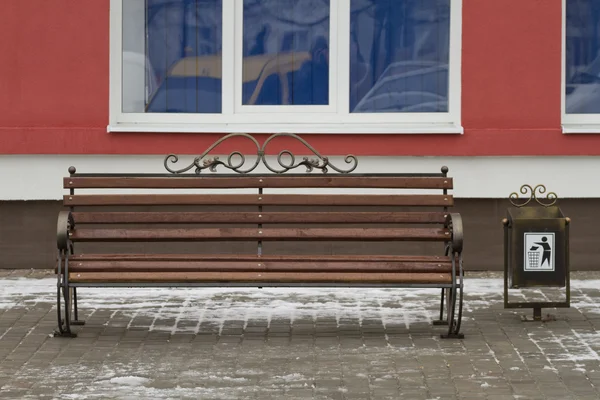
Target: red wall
(54,87)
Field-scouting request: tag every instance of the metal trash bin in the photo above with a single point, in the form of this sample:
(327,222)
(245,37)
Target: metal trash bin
(536,248)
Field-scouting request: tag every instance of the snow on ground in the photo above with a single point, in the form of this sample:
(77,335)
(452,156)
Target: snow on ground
(217,305)
(188,310)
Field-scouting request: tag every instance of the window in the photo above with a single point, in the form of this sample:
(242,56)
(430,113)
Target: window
(331,66)
(581,70)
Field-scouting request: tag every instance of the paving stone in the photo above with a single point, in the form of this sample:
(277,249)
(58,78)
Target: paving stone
(387,349)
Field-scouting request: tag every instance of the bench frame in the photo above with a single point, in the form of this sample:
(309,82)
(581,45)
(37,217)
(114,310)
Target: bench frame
(451,294)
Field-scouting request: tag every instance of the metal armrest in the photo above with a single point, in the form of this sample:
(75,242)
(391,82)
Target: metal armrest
(64,224)
(455,225)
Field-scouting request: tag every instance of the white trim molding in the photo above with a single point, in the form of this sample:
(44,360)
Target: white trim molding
(581,128)
(39,177)
(235,117)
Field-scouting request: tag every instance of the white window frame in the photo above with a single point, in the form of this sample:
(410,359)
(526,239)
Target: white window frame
(332,118)
(572,123)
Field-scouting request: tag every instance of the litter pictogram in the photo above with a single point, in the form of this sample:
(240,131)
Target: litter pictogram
(538,251)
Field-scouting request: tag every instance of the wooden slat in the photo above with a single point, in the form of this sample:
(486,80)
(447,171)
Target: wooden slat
(257,217)
(265,199)
(232,266)
(254,234)
(220,182)
(263,266)
(278,277)
(256,258)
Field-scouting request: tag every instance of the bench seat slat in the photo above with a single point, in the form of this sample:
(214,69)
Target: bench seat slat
(279,277)
(260,266)
(206,182)
(256,258)
(429,200)
(257,217)
(264,234)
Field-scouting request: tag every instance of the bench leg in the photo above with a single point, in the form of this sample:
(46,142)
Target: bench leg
(445,293)
(64,324)
(454,324)
(62,288)
(455,301)
(441,321)
(76,320)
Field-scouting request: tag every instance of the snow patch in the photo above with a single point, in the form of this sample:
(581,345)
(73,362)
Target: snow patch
(129,380)
(226,378)
(290,377)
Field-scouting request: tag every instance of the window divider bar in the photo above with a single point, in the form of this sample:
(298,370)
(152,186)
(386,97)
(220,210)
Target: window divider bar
(341,71)
(229,47)
(115,61)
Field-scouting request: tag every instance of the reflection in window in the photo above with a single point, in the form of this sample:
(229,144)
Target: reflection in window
(182,56)
(582,69)
(399,55)
(286,52)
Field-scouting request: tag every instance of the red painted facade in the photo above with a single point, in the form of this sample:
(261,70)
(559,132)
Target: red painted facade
(54,87)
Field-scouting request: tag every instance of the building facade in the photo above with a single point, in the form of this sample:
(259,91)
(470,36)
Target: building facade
(502,92)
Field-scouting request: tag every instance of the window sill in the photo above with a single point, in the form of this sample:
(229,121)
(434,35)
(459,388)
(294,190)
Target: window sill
(350,128)
(581,128)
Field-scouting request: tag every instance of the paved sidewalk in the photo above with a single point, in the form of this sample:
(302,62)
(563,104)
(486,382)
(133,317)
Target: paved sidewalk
(295,344)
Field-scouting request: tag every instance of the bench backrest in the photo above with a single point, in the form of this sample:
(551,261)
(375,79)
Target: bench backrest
(258,209)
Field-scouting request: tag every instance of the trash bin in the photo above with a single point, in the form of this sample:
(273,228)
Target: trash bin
(536,248)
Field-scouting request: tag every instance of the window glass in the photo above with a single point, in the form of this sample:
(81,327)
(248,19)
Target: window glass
(285,52)
(399,54)
(177,68)
(582,69)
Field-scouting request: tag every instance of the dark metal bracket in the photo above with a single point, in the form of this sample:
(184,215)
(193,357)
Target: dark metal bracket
(537,316)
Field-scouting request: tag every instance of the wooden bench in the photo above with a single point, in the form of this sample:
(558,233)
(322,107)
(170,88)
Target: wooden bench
(165,235)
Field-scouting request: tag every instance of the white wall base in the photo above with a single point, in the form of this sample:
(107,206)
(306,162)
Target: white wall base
(39,177)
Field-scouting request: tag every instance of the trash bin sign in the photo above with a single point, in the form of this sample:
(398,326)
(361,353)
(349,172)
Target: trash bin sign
(537,247)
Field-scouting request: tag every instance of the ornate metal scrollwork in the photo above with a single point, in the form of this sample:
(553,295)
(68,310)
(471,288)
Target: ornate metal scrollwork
(212,163)
(320,162)
(534,194)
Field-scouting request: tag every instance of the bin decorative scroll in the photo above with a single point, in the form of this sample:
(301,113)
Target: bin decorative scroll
(536,248)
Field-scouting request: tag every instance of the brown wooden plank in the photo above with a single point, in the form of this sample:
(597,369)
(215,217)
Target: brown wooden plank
(256,258)
(257,277)
(255,234)
(261,266)
(257,217)
(265,199)
(225,182)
